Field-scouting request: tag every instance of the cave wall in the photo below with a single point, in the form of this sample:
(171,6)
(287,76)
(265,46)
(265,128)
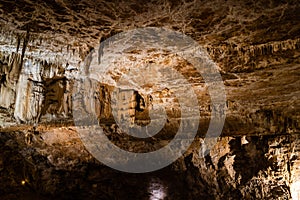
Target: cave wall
(255,44)
(240,167)
(249,167)
(10,70)
(33,88)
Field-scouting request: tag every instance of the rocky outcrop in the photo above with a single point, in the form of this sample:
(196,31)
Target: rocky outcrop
(254,167)
(241,167)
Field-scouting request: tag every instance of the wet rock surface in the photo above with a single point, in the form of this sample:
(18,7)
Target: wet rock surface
(56,165)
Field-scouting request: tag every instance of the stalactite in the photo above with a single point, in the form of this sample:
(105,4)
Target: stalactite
(25,43)
(87,62)
(18,43)
(255,50)
(100,50)
(237,58)
(107,40)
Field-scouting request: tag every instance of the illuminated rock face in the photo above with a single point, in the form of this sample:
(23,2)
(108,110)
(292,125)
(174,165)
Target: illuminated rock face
(239,167)
(34,89)
(255,45)
(254,167)
(10,71)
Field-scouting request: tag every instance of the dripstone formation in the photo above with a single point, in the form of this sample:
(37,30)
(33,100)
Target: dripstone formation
(45,49)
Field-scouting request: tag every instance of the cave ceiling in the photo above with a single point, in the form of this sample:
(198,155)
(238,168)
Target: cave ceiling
(82,24)
(254,43)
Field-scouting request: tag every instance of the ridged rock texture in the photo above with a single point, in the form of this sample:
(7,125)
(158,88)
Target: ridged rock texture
(45,48)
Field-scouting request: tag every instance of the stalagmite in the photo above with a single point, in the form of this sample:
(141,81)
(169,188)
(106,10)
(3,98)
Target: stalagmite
(66,72)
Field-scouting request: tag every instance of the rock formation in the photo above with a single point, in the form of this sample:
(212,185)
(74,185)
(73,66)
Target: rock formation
(46,52)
